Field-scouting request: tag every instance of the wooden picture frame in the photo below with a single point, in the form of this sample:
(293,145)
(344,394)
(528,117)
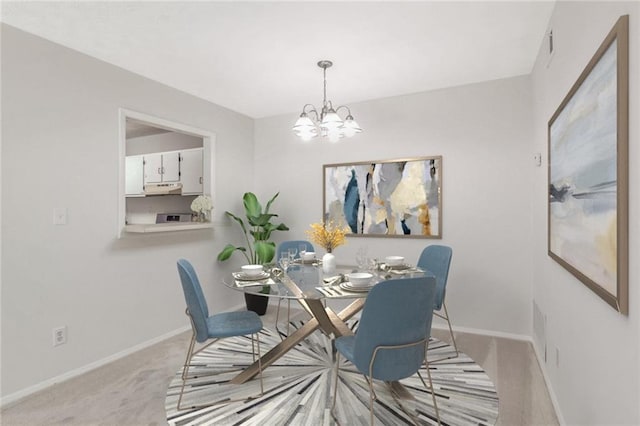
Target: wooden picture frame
(588,173)
(388,198)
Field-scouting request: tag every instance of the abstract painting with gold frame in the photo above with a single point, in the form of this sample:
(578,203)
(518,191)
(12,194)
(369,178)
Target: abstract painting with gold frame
(588,173)
(389,198)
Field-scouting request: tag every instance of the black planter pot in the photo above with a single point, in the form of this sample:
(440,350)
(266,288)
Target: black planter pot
(256,303)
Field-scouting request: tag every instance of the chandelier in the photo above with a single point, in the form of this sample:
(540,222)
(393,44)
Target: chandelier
(326,123)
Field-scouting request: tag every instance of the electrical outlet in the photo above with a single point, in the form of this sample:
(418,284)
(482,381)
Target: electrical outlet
(537,159)
(59,336)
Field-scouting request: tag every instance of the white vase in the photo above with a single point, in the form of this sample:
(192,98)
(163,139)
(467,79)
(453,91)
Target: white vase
(329,263)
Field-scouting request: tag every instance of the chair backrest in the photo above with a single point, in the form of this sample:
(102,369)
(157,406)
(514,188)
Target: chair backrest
(286,245)
(394,314)
(196,303)
(437,259)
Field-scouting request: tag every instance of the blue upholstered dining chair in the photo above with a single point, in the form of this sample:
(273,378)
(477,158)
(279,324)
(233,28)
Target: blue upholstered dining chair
(437,259)
(284,247)
(217,326)
(393,334)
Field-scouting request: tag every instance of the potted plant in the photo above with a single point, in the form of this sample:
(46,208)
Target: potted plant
(261,250)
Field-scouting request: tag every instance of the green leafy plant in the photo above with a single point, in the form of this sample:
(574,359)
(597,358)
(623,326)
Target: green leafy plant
(259,228)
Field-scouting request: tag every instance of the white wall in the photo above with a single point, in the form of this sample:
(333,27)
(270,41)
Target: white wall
(60,149)
(483,132)
(597,381)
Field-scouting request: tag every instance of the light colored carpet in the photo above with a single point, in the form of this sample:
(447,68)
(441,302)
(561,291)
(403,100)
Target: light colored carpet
(132,391)
(298,388)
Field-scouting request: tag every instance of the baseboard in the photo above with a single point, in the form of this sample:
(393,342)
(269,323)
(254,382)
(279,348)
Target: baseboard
(484,332)
(15,397)
(547,381)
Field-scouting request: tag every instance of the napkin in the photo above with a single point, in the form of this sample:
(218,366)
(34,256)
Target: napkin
(335,280)
(268,281)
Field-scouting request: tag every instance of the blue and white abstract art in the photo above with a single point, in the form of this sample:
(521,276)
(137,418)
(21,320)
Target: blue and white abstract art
(385,198)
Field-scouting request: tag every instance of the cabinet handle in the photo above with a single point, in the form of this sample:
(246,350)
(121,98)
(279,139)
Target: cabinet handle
(159,171)
(200,180)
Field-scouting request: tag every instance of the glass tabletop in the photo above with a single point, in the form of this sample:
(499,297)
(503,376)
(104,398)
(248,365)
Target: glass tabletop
(308,281)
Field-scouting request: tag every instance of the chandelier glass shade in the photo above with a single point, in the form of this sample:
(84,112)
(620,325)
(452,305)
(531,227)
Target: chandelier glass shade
(327,122)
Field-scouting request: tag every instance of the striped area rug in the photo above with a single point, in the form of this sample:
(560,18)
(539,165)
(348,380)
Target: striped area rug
(299,389)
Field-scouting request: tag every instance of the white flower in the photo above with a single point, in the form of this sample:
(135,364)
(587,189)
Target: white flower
(202,204)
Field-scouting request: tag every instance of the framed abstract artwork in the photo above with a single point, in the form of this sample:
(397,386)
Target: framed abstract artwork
(588,173)
(389,198)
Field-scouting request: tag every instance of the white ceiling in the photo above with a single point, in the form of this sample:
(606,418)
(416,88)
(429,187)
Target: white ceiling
(259,58)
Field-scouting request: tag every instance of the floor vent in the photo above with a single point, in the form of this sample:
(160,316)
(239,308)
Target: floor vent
(539,327)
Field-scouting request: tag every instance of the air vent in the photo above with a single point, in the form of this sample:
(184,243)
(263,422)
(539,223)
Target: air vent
(539,327)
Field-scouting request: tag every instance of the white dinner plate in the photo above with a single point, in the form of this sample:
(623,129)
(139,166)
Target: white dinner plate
(359,289)
(244,277)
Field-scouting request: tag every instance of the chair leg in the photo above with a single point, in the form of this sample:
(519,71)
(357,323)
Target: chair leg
(371,399)
(185,368)
(191,353)
(280,333)
(335,384)
(288,315)
(433,392)
(453,339)
(259,362)
(253,350)
(187,361)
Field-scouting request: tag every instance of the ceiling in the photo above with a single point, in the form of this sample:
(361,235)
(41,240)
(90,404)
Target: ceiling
(259,58)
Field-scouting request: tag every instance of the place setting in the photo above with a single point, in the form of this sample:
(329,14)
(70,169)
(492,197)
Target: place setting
(355,282)
(308,258)
(252,275)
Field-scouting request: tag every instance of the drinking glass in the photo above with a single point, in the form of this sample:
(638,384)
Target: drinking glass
(362,259)
(292,254)
(302,249)
(284,261)
(372,265)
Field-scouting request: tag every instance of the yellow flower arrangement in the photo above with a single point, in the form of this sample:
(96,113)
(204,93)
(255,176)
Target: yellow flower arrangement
(328,236)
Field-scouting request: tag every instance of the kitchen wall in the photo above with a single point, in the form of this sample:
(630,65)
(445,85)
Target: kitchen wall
(596,379)
(60,150)
(161,142)
(483,132)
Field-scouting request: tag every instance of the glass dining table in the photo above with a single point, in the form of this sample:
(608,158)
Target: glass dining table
(311,288)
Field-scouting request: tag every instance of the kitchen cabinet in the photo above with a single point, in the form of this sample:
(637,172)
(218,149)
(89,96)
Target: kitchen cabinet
(162,167)
(191,167)
(185,167)
(134,176)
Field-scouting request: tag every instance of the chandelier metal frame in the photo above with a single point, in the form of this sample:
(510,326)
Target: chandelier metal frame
(327,122)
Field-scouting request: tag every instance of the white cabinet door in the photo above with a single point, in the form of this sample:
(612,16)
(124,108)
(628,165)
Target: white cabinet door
(162,167)
(191,171)
(152,168)
(134,175)
(171,167)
